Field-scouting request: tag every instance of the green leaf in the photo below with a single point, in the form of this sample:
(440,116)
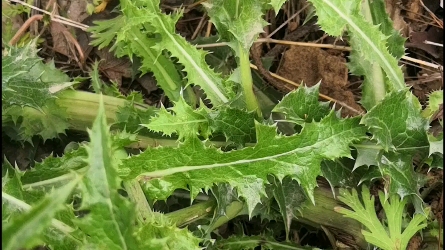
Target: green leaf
(26,80)
(238,126)
(110,218)
(436,144)
(375,84)
(161,233)
(334,16)
(395,41)
(224,195)
(18,86)
(341,173)
(53,171)
(195,165)
(367,154)
(302,106)
(396,123)
(199,73)
(55,237)
(404,180)
(138,43)
(290,197)
(185,121)
(277,4)
(49,121)
(387,237)
(435,99)
(26,230)
(28,97)
(401,137)
(130,117)
(237,21)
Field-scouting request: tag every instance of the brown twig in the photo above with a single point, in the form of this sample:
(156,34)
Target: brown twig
(23,29)
(199,27)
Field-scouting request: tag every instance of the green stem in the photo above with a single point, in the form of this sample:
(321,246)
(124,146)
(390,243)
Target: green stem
(246,80)
(193,213)
(143,210)
(323,214)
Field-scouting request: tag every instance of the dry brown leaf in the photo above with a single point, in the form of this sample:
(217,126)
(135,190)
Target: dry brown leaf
(114,68)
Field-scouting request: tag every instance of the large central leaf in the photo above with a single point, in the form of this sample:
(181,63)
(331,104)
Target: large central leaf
(193,165)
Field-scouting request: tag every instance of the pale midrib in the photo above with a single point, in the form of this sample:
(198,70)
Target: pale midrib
(166,76)
(177,123)
(26,207)
(165,172)
(107,200)
(365,38)
(198,69)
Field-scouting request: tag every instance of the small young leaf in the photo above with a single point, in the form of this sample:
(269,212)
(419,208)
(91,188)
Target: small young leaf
(302,106)
(161,233)
(237,21)
(238,126)
(185,121)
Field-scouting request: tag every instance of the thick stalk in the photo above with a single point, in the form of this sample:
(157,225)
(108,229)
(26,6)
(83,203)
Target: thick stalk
(247,82)
(143,210)
(345,229)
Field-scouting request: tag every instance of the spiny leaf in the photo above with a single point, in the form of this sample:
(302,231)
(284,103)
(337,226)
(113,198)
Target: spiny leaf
(193,164)
(55,167)
(341,173)
(238,126)
(302,106)
(110,217)
(276,4)
(398,127)
(396,122)
(28,95)
(436,144)
(26,230)
(198,72)
(404,180)
(138,43)
(237,21)
(161,233)
(26,80)
(48,122)
(380,17)
(375,84)
(185,121)
(334,16)
(290,197)
(54,236)
(435,99)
